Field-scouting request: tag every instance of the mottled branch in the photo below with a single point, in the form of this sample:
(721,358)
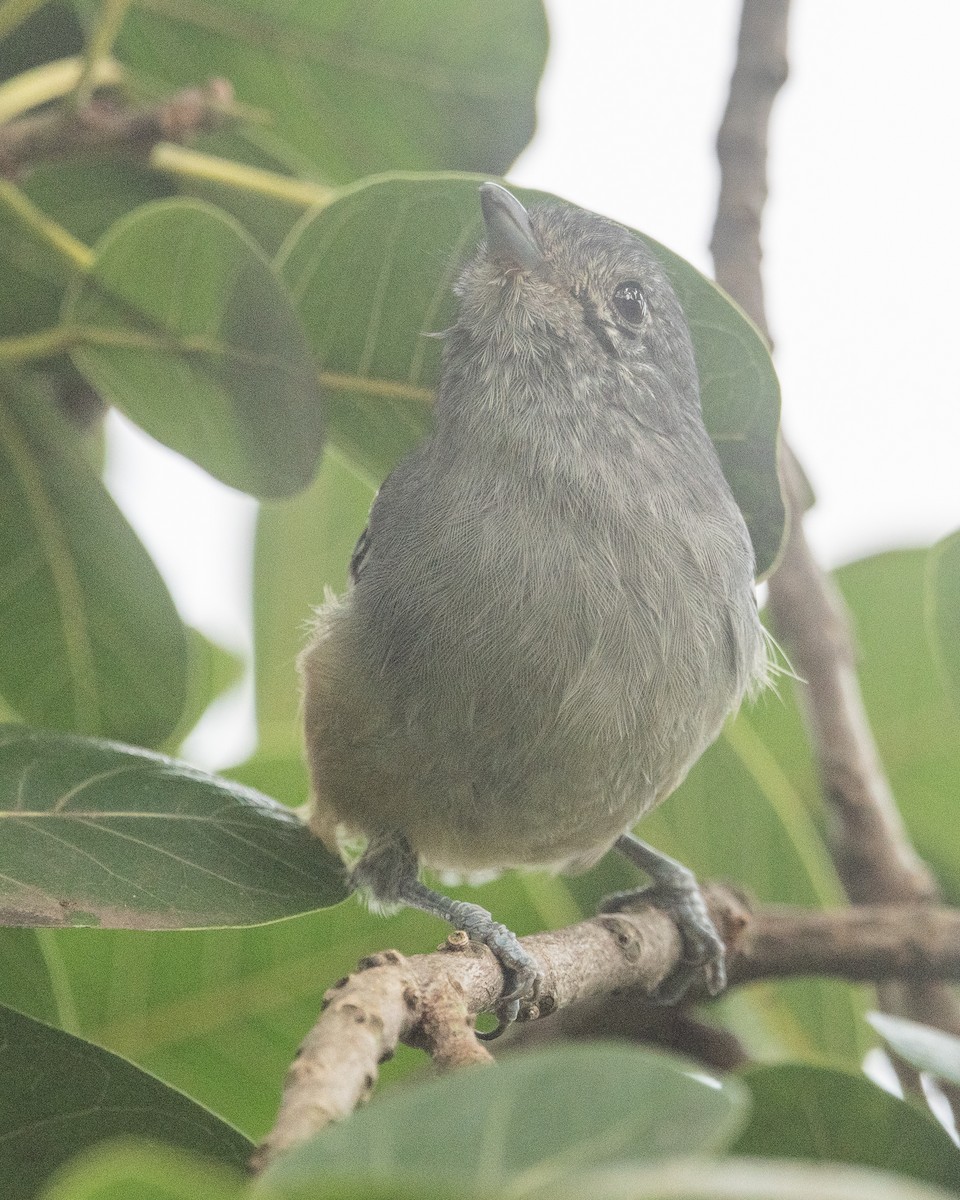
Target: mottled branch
(102,127)
(430,1001)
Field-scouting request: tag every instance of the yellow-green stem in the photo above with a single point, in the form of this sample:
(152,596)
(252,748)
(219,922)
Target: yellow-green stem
(30,347)
(51,81)
(75,252)
(192,164)
(99,46)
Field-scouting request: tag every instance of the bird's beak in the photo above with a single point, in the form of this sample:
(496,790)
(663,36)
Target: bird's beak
(511,241)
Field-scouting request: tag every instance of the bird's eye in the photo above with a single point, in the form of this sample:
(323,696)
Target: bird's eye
(629,302)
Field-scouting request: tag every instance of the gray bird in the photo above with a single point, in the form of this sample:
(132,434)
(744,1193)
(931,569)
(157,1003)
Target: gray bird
(552,609)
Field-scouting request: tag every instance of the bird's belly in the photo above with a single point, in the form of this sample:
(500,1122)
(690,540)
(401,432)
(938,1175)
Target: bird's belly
(555,716)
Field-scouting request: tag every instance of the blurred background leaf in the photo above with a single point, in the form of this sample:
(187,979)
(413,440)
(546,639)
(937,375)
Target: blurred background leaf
(530,1121)
(916,725)
(147,1170)
(414,84)
(62,1095)
(926,1049)
(943,610)
(817,1113)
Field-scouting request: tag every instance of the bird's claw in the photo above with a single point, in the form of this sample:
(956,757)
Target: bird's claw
(522,968)
(704,950)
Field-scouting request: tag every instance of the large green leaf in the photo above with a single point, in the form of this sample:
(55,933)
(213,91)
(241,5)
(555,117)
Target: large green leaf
(105,835)
(89,638)
(413,84)
(60,1095)
(182,324)
(371,274)
(809,1112)
(524,1125)
(303,545)
(943,609)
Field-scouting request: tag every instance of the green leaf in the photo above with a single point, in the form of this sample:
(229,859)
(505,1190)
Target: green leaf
(89,638)
(741,400)
(916,725)
(371,274)
(105,835)
(302,546)
(525,1124)
(85,199)
(826,1115)
(28,980)
(924,1048)
(416,84)
(60,1095)
(218,1013)
(943,610)
(183,325)
(214,670)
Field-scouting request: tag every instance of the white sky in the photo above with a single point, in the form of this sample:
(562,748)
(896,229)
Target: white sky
(862,266)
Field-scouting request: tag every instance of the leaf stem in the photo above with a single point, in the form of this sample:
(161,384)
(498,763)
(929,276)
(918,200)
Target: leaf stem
(192,164)
(75,252)
(33,346)
(50,82)
(99,45)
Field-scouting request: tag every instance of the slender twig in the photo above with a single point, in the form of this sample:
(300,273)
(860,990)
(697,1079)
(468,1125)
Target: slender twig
(76,255)
(759,73)
(871,848)
(430,1000)
(52,81)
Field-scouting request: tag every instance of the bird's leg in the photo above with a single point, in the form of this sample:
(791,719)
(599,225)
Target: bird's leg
(675,891)
(389,871)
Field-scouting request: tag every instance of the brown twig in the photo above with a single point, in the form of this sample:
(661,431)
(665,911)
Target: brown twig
(869,843)
(430,1000)
(102,128)
(759,73)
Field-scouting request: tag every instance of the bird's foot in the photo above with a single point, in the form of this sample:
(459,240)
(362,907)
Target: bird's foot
(523,970)
(704,954)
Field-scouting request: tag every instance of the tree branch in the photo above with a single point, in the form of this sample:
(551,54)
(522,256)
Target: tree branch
(869,843)
(102,128)
(430,1000)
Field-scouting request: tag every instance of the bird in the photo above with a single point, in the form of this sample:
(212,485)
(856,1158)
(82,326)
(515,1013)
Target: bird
(551,611)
